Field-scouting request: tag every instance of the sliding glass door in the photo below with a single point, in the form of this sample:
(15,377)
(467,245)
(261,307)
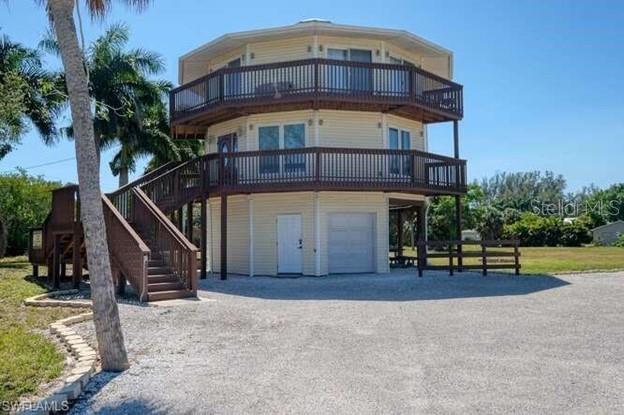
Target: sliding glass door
(349,79)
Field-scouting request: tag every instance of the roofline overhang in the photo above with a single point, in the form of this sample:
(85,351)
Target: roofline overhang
(315,27)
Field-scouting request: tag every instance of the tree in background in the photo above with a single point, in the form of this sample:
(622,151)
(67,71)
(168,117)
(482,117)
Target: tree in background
(28,95)
(441,213)
(24,203)
(3,238)
(490,223)
(522,189)
(105,312)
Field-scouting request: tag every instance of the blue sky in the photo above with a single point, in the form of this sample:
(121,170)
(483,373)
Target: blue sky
(544,80)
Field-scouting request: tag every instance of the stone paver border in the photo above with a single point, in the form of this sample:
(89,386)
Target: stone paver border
(85,355)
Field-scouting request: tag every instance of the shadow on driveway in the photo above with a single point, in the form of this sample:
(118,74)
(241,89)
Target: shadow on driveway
(397,286)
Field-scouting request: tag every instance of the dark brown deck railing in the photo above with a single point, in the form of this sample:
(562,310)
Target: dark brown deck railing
(129,253)
(177,251)
(307,169)
(320,79)
(122,197)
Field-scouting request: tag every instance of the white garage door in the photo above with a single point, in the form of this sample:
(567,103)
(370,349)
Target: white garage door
(351,244)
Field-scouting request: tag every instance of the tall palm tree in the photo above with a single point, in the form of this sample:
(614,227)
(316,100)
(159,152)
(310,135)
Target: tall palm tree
(27,95)
(130,107)
(105,311)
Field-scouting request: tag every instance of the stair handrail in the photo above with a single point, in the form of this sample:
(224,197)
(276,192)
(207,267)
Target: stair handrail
(121,198)
(128,251)
(182,253)
(168,172)
(146,177)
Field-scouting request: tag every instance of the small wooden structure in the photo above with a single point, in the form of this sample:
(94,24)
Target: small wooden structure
(60,239)
(493,255)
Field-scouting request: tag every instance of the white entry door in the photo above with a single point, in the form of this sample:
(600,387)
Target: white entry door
(289,244)
(351,243)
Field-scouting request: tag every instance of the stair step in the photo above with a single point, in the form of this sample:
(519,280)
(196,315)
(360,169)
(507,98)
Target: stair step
(152,279)
(158,270)
(169,295)
(164,286)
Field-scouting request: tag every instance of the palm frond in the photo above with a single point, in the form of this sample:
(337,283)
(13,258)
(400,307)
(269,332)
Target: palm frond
(99,8)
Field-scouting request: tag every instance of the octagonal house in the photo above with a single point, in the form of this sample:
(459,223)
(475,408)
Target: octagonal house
(315,147)
(322,131)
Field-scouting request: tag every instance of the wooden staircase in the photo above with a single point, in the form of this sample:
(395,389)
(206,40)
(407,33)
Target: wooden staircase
(146,248)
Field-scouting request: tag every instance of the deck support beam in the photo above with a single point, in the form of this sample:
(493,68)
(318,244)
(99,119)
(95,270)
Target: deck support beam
(180,218)
(189,222)
(76,260)
(458,204)
(56,257)
(421,253)
(223,264)
(203,239)
(399,225)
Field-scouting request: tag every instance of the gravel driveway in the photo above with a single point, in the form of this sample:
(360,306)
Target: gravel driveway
(375,344)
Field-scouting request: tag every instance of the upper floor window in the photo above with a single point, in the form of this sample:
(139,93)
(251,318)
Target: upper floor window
(399,140)
(275,137)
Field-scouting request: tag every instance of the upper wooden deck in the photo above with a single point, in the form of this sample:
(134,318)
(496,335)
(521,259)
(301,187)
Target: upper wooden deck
(227,93)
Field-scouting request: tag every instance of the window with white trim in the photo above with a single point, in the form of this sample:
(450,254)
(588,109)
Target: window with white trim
(275,137)
(399,140)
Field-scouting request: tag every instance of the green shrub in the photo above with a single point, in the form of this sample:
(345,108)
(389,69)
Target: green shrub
(490,223)
(619,241)
(24,203)
(2,238)
(575,234)
(535,230)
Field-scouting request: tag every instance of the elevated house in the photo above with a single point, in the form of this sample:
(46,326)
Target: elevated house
(315,138)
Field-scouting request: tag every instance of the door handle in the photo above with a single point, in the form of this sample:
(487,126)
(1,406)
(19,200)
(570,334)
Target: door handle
(300,244)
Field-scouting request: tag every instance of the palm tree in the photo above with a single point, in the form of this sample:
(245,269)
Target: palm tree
(27,94)
(105,311)
(130,107)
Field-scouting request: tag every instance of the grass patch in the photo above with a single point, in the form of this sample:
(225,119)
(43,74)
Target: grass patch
(27,358)
(553,260)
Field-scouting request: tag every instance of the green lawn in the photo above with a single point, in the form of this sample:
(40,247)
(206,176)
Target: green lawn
(547,260)
(27,357)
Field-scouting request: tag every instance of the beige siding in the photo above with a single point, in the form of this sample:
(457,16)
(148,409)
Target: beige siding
(350,129)
(338,129)
(193,69)
(302,47)
(280,50)
(238,234)
(352,202)
(215,131)
(437,65)
(266,208)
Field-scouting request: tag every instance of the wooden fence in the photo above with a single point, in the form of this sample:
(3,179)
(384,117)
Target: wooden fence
(451,256)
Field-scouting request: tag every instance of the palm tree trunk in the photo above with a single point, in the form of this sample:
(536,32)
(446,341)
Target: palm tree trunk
(123,176)
(106,316)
